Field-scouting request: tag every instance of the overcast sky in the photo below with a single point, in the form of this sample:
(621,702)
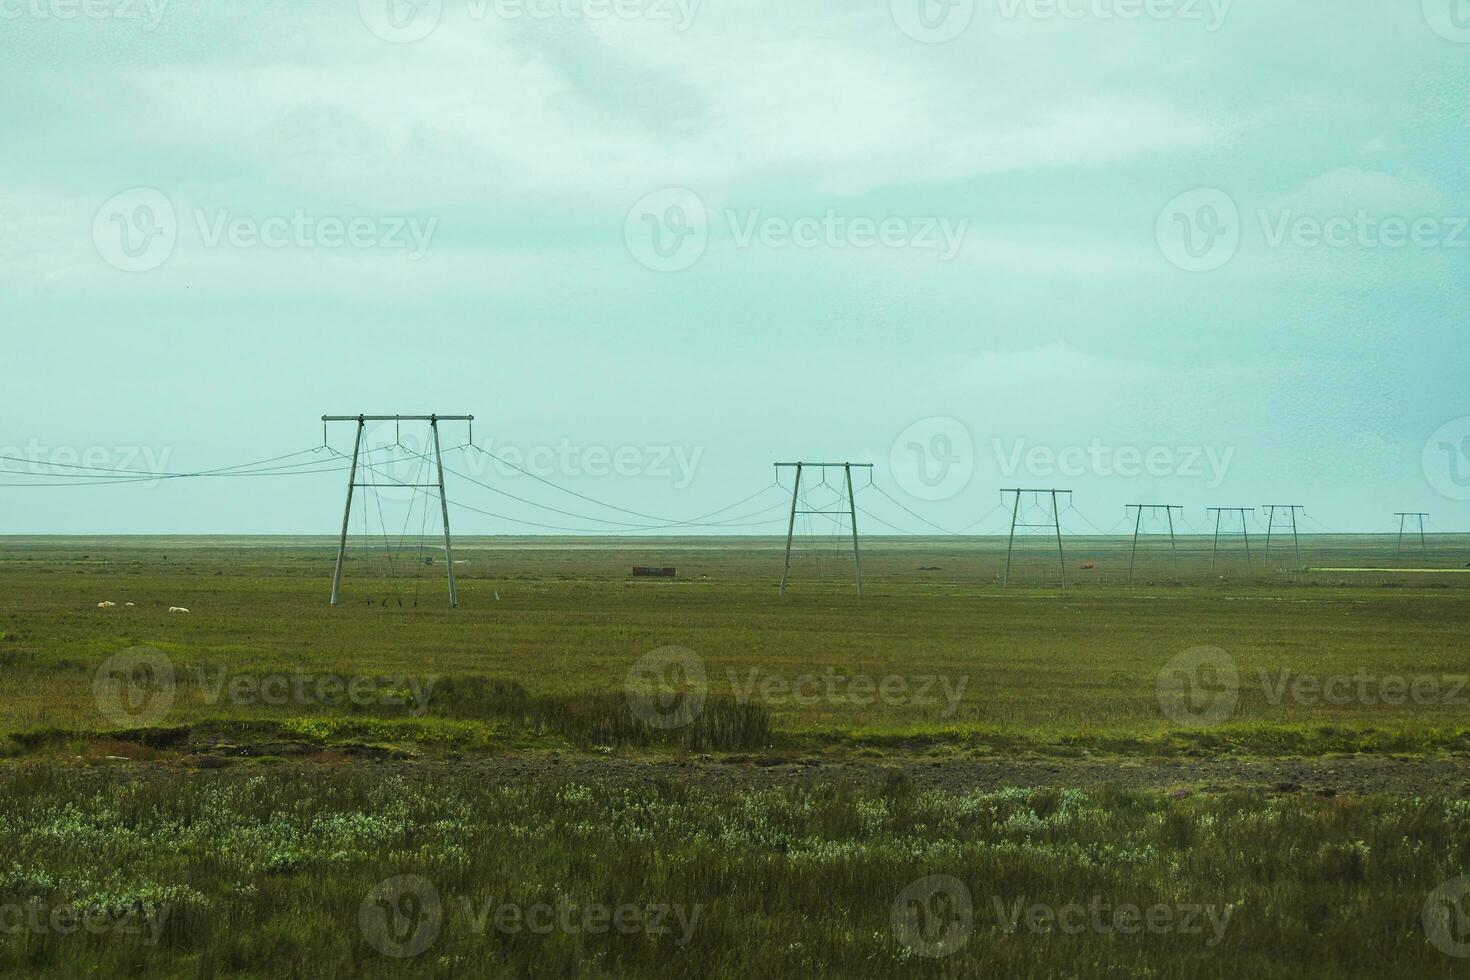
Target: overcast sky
(1182,251)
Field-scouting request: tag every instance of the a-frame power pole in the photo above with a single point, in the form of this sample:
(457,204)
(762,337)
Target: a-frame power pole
(353,484)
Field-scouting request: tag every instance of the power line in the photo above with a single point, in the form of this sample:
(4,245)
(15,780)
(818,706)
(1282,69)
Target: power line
(580,496)
(516,520)
(159,474)
(665,525)
(887,496)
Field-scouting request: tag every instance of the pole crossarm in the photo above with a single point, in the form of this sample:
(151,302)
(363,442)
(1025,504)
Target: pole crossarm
(398,418)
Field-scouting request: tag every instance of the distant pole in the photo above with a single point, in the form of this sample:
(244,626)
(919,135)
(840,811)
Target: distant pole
(1173,544)
(1137,522)
(1270,523)
(1054,525)
(1011,544)
(1168,510)
(1296,543)
(852,511)
(1245,533)
(1291,509)
(347,511)
(1216,553)
(1423,542)
(418,488)
(791,528)
(1056,518)
(444,505)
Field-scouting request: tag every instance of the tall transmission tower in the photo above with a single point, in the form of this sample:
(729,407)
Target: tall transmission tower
(850,513)
(1244,532)
(1404,517)
(353,484)
(1291,510)
(1055,523)
(1168,510)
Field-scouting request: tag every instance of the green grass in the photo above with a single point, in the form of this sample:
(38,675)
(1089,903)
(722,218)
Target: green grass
(1023,667)
(274,866)
(267,875)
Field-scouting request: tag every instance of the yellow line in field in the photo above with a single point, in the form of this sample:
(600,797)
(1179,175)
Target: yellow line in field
(1406,571)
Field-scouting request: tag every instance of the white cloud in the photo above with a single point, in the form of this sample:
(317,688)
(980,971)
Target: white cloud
(489,111)
(1347,189)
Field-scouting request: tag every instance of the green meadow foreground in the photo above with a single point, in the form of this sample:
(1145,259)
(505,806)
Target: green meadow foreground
(1204,773)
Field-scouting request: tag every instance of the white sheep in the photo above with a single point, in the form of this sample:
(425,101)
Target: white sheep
(106,605)
(174,609)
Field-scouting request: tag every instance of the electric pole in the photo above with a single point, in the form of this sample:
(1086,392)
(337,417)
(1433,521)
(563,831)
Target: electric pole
(353,484)
(1291,510)
(1168,510)
(1054,524)
(1403,517)
(850,512)
(1244,532)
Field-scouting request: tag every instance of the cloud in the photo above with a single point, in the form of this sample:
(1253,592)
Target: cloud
(488,111)
(1347,189)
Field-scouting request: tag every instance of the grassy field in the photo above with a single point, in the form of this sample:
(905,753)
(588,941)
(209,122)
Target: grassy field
(340,873)
(966,663)
(578,773)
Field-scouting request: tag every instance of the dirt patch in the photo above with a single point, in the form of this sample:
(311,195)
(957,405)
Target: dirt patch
(1346,776)
(1333,776)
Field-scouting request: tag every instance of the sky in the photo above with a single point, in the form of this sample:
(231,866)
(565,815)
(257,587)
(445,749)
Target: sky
(1194,252)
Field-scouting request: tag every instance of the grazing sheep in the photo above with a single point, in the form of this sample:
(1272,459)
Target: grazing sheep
(174,609)
(106,605)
